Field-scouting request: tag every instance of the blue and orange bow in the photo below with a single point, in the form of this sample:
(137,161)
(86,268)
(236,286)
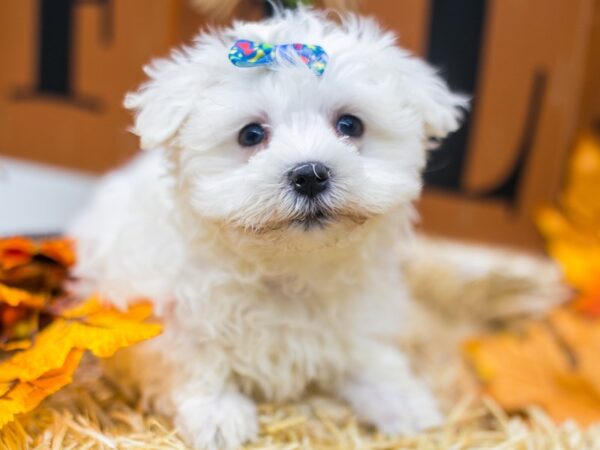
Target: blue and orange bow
(246,53)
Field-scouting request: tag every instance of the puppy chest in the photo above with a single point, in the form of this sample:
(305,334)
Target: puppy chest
(280,349)
(281,361)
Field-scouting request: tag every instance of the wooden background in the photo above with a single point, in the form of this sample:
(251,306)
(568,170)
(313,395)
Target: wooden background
(113,39)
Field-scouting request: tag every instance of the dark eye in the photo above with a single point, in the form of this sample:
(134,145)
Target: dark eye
(251,135)
(348,125)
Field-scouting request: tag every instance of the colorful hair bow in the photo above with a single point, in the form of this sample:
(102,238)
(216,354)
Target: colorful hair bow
(246,53)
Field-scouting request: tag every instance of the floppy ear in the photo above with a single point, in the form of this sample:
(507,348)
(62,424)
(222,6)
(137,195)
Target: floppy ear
(162,103)
(441,109)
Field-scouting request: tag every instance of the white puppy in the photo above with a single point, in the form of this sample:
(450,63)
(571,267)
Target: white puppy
(263,223)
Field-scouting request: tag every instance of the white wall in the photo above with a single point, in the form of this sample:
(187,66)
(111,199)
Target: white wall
(38,199)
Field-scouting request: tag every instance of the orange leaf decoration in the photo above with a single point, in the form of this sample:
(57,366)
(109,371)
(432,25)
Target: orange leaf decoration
(102,329)
(17,297)
(19,317)
(589,302)
(23,396)
(553,364)
(572,230)
(43,333)
(59,250)
(17,251)
(35,266)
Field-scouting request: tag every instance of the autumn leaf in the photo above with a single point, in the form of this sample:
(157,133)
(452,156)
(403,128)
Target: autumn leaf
(60,250)
(19,317)
(36,276)
(17,251)
(23,396)
(35,266)
(589,302)
(44,331)
(94,310)
(19,297)
(552,364)
(572,228)
(581,336)
(5,387)
(577,250)
(92,326)
(13,345)
(17,327)
(103,332)
(581,197)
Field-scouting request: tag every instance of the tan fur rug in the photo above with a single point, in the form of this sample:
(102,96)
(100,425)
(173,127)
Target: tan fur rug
(462,291)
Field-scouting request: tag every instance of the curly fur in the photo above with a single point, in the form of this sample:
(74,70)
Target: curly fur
(255,304)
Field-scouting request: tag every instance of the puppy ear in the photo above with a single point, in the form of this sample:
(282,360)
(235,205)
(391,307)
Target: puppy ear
(441,109)
(162,103)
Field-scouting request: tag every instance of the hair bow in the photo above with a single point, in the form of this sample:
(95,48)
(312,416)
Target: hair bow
(246,53)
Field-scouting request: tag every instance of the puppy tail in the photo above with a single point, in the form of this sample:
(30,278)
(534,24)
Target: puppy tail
(478,286)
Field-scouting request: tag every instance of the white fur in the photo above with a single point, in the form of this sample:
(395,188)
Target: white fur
(256,306)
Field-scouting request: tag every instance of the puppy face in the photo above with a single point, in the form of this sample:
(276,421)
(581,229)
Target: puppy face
(281,149)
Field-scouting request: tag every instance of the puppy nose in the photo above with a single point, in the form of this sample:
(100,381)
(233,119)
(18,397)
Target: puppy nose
(310,178)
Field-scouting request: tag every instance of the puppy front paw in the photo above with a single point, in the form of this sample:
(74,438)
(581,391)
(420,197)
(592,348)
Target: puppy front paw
(394,409)
(217,422)
(406,414)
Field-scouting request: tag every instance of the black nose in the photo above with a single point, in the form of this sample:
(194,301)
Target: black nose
(309,179)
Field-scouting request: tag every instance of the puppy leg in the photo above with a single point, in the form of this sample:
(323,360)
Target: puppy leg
(383,392)
(191,383)
(222,420)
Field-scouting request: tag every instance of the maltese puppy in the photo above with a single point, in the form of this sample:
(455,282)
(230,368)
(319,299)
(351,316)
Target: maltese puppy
(263,221)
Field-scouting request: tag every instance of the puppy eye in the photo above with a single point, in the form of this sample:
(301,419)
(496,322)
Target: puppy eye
(348,125)
(251,135)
